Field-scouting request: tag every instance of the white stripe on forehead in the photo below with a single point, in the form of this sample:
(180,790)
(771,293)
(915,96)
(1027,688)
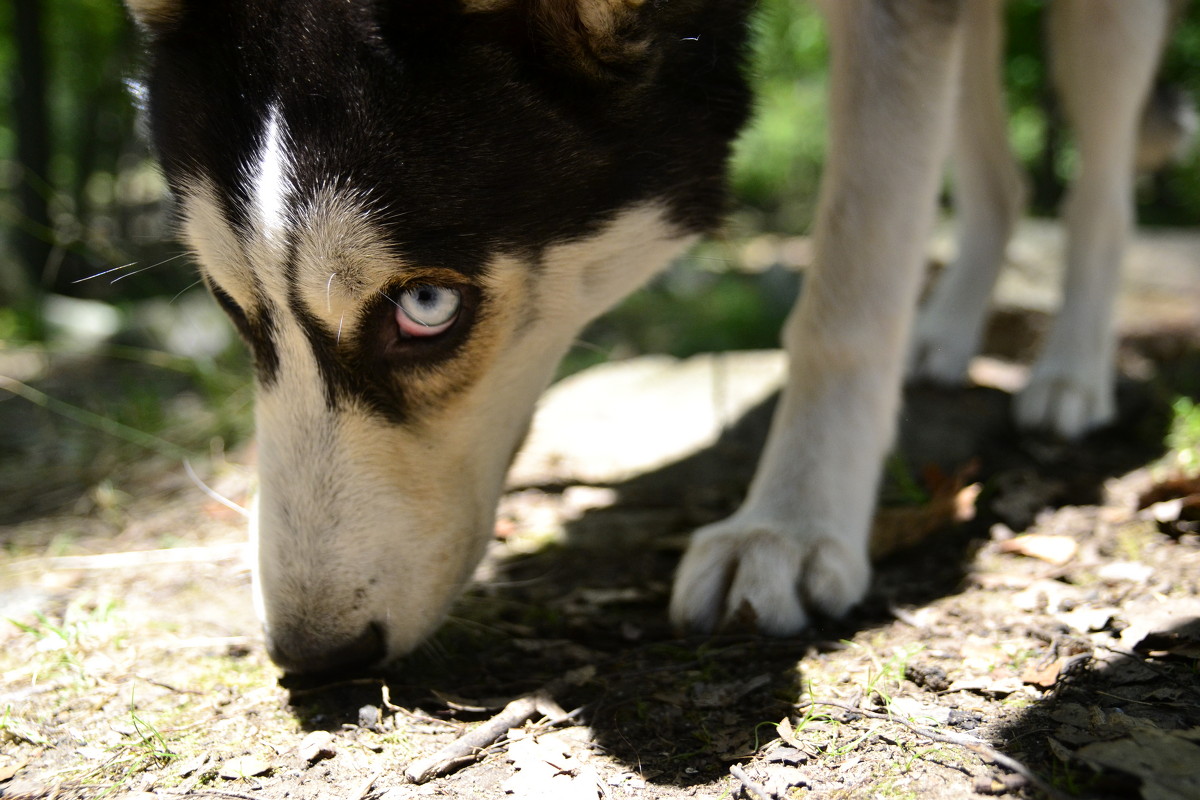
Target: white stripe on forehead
(270,179)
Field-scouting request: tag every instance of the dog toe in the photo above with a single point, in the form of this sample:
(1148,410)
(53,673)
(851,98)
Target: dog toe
(1063,406)
(752,576)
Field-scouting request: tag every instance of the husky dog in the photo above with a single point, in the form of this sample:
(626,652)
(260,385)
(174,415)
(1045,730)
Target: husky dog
(410,208)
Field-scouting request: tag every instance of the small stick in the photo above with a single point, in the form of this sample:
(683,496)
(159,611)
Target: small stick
(466,748)
(748,784)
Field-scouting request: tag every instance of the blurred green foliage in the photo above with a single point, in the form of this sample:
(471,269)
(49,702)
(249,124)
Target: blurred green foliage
(778,160)
(106,218)
(105,195)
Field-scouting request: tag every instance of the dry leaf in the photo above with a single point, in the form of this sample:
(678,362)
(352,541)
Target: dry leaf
(1087,620)
(788,733)
(1043,676)
(546,770)
(951,501)
(243,767)
(1164,763)
(1051,548)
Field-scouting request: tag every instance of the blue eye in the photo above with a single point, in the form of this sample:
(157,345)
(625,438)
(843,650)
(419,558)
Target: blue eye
(427,310)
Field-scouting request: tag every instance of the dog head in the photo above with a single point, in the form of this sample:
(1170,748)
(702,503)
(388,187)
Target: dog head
(409,208)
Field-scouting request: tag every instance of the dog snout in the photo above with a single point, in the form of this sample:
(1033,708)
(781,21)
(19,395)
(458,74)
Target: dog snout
(302,652)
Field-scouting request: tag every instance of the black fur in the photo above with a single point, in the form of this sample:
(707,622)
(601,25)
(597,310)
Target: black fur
(469,133)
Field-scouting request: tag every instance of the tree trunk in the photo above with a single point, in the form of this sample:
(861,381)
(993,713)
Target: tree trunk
(34,237)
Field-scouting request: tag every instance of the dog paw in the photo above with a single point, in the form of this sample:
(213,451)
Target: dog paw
(1066,405)
(751,575)
(939,354)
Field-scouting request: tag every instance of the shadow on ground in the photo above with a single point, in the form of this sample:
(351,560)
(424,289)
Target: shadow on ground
(678,711)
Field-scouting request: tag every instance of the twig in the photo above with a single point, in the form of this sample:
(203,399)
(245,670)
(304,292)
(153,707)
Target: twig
(976,745)
(466,748)
(93,420)
(137,558)
(166,686)
(748,784)
(213,793)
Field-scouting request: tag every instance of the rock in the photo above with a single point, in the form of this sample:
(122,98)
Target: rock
(316,746)
(625,418)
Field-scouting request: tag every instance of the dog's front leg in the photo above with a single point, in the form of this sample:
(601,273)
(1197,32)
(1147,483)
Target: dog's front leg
(800,539)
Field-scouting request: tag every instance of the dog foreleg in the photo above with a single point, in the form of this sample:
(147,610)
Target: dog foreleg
(1105,53)
(800,539)
(989,195)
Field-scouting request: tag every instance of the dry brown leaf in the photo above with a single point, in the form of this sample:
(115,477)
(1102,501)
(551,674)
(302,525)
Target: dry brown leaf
(1044,676)
(951,501)
(1051,548)
(1177,488)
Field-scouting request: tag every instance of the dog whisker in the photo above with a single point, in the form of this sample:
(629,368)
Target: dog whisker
(184,290)
(212,493)
(105,272)
(144,269)
(389,298)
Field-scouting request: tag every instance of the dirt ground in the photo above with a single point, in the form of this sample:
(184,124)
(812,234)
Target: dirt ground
(1041,640)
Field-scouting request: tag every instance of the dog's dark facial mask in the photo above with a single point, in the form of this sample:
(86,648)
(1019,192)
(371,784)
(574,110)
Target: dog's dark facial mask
(409,208)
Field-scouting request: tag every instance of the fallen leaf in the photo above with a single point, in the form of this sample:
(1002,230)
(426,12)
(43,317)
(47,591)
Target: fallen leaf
(951,501)
(1052,548)
(15,730)
(1170,627)
(1060,750)
(1178,488)
(1165,763)
(9,772)
(547,770)
(1044,676)
(1125,572)
(788,734)
(1086,620)
(243,767)
(921,713)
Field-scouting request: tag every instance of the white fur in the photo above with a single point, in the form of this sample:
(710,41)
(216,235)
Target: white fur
(358,520)
(270,179)
(800,540)
(362,521)
(1071,387)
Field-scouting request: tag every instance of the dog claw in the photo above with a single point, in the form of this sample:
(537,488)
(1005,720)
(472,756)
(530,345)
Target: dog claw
(736,575)
(1064,406)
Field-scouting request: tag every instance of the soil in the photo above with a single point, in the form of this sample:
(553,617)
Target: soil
(1058,628)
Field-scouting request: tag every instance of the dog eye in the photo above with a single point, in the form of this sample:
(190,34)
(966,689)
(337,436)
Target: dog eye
(427,310)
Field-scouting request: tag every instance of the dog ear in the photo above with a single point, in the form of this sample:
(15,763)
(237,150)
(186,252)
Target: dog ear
(155,15)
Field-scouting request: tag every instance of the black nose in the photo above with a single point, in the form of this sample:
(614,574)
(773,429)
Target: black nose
(299,652)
